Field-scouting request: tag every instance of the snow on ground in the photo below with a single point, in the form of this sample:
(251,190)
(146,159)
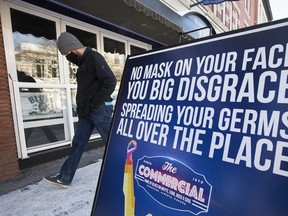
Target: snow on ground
(44,199)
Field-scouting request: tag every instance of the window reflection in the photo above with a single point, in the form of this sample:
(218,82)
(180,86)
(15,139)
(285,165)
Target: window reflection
(74,106)
(115,55)
(35,46)
(86,38)
(24,77)
(44,134)
(136,50)
(41,104)
(72,72)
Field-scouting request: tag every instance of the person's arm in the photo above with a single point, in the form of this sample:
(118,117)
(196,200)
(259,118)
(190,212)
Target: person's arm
(106,79)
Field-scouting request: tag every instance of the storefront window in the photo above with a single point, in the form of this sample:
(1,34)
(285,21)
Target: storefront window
(36,136)
(86,38)
(115,55)
(45,97)
(37,106)
(73,102)
(136,50)
(41,104)
(35,46)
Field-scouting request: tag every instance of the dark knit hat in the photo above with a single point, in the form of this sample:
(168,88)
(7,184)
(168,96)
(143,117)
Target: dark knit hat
(67,42)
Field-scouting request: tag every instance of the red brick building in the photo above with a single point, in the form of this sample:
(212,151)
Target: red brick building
(8,151)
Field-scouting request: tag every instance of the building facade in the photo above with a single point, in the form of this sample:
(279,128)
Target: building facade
(38,85)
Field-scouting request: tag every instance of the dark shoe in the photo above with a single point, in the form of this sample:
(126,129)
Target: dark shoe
(56,181)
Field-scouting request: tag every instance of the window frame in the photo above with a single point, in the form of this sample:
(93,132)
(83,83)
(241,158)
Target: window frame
(61,22)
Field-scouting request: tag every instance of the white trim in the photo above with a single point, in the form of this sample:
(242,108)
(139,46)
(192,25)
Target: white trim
(137,45)
(60,24)
(8,42)
(112,36)
(46,147)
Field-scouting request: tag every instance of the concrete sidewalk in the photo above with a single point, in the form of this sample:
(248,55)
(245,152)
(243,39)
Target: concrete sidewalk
(35,173)
(29,195)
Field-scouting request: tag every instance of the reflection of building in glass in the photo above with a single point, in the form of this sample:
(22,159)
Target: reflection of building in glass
(116,62)
(38,61)
(72,72)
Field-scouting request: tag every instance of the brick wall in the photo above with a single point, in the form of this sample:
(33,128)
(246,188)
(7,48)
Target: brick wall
(8,151)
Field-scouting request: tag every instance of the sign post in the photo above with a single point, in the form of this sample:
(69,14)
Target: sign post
(201,129)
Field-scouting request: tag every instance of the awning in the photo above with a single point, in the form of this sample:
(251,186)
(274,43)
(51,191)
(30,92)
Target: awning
(156,15)
(127,17)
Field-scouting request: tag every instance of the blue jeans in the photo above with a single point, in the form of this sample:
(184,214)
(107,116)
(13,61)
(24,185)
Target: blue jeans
(99,119)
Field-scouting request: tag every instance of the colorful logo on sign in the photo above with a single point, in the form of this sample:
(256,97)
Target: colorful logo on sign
(173,184)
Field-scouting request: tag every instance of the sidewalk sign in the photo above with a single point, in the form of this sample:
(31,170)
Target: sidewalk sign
(201,129)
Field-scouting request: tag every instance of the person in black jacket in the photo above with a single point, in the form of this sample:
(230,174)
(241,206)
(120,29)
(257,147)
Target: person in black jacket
(95,84)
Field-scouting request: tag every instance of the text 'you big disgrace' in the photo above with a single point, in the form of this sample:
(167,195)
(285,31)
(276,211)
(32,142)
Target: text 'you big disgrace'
(244,93)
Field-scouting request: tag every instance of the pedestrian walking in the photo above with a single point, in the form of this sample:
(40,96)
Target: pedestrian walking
(95,84)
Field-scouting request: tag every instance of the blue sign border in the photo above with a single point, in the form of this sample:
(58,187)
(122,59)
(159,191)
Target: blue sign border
(241,185)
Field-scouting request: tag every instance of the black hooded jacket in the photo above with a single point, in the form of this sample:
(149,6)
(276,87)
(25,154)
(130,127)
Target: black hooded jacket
(95,80)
